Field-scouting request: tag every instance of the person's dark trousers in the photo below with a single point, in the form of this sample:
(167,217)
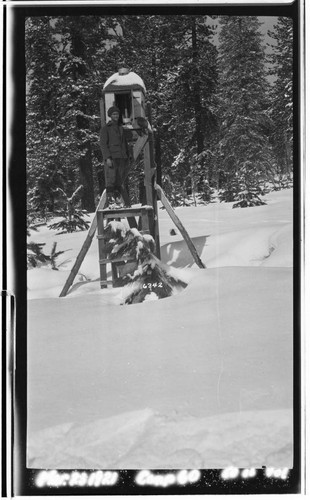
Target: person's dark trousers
(115,175)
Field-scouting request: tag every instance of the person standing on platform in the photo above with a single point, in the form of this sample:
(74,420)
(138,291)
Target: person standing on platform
(116,156)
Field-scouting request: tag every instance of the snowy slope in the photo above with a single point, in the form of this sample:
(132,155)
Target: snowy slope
(202,379)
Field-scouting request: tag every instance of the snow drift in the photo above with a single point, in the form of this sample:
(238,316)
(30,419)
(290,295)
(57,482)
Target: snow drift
(202,379)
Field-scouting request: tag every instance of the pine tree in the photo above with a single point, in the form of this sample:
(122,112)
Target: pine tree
(244,146)
(189,111)
(44,152)
(281,60)
(81,72)
(65,73)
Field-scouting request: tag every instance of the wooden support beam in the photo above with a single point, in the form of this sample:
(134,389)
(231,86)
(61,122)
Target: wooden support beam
(179,225)
(150,177)
(139,145)
(131,220)
(84,249)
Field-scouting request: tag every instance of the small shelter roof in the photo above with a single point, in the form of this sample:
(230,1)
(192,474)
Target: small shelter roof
(118,81)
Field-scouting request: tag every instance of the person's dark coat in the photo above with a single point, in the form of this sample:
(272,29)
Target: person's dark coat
(113,142)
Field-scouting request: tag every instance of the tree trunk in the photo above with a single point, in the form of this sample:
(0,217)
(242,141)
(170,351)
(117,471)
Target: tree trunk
(86,175)
(158,158)
(196,91)
(100,179)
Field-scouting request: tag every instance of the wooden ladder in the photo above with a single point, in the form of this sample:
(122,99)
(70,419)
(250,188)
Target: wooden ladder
(119,266)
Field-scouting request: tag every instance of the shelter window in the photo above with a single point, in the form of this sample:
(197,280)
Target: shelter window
(124,102)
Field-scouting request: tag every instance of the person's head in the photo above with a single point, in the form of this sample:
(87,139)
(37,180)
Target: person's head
(114,113)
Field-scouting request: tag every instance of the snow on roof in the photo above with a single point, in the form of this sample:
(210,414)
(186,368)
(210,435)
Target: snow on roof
(120,80)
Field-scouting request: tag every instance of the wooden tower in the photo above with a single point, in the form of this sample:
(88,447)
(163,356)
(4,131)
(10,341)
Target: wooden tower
(126,90)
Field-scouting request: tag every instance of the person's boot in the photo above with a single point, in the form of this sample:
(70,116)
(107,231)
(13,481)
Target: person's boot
(110,199)
(118,199)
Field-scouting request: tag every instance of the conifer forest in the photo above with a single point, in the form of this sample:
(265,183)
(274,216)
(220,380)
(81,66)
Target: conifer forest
(221,99)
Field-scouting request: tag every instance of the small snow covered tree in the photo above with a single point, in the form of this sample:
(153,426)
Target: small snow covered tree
(37,258)
(35,255)
(244,147)
(149,278)
(74,217)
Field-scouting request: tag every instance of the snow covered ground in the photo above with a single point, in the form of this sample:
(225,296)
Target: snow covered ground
(202,379)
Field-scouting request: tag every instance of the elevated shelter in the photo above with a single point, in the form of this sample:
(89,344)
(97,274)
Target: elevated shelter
(126,90)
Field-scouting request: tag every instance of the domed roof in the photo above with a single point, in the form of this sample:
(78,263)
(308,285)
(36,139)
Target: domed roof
(124,78)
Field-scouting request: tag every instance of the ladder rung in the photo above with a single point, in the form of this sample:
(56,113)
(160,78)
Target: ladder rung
(120,259)
(125,212)
(116,215)
(141,231)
